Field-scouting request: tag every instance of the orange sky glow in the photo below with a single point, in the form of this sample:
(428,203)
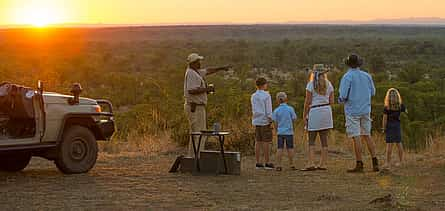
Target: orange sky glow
(44,12)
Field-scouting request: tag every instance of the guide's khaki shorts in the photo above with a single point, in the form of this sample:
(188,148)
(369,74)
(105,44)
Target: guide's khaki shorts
(197,122)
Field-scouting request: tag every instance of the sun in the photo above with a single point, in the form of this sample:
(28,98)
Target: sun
(38,15)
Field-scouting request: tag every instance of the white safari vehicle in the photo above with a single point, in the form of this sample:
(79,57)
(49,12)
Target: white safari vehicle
(61,128)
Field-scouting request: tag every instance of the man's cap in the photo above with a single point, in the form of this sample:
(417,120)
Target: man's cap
(281,96)
(194,57)
(260,81)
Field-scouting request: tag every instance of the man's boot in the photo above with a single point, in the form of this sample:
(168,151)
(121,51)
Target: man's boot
(358,168)
(375,164)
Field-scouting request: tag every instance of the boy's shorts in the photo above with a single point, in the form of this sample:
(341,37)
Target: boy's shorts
(288,139)
(263,133)
(358,125)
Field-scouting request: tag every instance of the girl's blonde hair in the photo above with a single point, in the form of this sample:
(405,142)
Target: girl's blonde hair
(322,83)
(393,100)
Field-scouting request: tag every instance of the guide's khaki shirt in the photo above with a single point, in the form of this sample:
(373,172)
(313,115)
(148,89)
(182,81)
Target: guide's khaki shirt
(195,79)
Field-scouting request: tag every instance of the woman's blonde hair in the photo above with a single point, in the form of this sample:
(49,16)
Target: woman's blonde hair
(393,100)
(319,77)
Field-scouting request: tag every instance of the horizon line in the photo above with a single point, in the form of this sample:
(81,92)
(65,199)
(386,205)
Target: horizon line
(410,21)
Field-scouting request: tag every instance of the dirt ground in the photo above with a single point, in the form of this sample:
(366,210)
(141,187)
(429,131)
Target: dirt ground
(138,181)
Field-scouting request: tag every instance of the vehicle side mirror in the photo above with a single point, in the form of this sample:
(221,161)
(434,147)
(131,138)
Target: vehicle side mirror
(76,89)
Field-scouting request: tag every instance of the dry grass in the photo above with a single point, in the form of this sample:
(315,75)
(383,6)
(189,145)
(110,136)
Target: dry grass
(145,144)
(133,175)
(242,139)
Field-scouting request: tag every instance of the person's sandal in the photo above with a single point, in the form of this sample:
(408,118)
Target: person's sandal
(293,168)
(278,169)
(386,167)
(355,170)
(322,168)
(312,168)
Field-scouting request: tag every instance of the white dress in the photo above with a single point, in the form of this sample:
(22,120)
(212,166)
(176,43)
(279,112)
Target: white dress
(320,118)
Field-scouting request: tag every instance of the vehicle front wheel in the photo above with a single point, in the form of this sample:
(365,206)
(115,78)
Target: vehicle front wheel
(77,152)
(14,163)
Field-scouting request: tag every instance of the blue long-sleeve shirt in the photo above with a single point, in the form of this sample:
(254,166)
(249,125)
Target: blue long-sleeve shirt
(356,91)
(261,108)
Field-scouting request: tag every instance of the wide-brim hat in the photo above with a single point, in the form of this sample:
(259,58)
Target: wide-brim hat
(353,60)
(194,57)
(320,68)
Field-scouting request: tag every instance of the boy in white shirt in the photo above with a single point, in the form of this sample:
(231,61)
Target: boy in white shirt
(262,120)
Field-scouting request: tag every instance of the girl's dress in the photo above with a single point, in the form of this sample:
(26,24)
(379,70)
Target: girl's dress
(393,129)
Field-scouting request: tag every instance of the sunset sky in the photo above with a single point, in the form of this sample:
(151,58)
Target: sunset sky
(42,12)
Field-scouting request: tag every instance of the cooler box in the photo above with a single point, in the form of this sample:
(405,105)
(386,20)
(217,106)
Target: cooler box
(211,162)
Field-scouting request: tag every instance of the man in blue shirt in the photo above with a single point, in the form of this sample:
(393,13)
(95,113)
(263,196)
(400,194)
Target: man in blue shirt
(284,117)
(356,90)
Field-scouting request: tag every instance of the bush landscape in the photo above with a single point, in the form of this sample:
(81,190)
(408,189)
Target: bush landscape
(141,70)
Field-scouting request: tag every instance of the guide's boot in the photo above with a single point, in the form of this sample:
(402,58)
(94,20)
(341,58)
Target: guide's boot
(375,164)
(358,168)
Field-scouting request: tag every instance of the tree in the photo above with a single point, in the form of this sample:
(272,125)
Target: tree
(377,64)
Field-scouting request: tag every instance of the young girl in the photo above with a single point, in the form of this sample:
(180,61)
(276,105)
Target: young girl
(391,124)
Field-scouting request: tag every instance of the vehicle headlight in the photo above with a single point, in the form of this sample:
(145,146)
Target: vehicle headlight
(97,109)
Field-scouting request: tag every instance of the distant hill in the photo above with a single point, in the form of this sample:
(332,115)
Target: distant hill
(264,32)
(427,21)
(400,21)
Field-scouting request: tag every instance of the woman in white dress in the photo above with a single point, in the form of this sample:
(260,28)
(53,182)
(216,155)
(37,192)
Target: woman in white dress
(318,114)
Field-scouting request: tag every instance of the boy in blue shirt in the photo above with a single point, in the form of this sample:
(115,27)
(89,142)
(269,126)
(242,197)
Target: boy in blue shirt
(284,117)
(356,90)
